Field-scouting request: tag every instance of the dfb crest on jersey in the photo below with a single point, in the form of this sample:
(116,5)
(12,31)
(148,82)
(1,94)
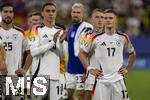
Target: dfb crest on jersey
(15,36)
(118,43)
(72,34)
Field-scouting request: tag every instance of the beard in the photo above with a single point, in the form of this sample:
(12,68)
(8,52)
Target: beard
(7,20)
(76,20)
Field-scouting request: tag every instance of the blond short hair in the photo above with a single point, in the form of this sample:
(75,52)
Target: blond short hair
(78,5)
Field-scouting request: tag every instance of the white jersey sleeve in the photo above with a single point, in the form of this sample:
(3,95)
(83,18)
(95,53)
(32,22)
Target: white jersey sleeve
(25,45)
(128,45)
(36,47)
(86,42)
(42,49)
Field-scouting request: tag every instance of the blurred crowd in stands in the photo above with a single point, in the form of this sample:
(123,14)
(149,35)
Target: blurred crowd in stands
(134,15)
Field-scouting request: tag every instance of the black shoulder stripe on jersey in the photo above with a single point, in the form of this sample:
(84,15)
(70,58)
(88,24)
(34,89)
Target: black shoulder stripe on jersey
(120,33)
(123,34)
(36,27)
(39,26)
(97,35)
(60,26)
(19,29)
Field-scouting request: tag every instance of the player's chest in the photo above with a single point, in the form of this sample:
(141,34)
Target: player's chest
(46,36)
(10,40)
(117,43)
(105,42)
(109,46)
(11,36)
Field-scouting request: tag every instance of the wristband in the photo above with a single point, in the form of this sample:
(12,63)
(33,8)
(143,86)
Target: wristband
(89,68)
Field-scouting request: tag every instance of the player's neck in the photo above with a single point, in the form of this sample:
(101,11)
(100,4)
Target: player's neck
(49,24)
(6,26)
(98,29)
(77,22)
(110,31)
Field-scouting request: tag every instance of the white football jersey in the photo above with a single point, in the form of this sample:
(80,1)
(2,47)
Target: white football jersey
(109,54)
(14,44)
(46,52)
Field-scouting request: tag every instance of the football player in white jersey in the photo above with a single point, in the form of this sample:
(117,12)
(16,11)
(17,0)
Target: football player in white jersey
(45,49)
(13,40)
(35,19)
(97,17)
(108,47)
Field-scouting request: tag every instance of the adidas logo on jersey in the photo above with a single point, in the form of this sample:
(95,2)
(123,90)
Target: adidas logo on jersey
(7,37)
(45,36)
(103,44)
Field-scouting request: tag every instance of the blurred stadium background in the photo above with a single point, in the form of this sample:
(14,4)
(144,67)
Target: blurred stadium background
(134,19)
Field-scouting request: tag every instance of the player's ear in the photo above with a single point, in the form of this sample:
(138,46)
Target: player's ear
(116,20)
(42,14)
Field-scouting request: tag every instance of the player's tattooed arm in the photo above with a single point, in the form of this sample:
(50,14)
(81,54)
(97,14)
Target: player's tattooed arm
(3,67)
(132,56)
(24,69)
(28,61)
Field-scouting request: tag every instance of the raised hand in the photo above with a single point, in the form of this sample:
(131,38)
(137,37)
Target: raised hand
(63,35)
(56,36)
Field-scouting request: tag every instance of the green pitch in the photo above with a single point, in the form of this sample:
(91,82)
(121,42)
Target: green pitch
(138,84)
